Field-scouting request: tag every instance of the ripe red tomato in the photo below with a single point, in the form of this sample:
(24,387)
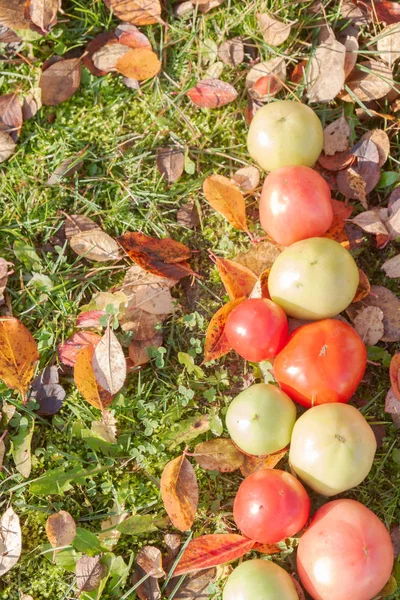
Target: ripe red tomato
(345,554)
(322,362)
(295,204)
(257,329)
(271,505)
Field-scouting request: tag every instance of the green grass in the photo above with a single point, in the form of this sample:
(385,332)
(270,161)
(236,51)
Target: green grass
(124,192)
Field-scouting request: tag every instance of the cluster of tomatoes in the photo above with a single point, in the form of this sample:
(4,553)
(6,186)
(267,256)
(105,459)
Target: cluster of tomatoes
(345,552)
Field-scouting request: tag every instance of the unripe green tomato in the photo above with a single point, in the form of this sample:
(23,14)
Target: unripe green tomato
(260,419)
(332,448)
(313,279)
(259,580)
(285,133)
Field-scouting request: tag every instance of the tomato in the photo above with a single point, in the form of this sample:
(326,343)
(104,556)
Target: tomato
(257,329)
(332,448)
(322,362)
(295,204)
(259,580)
(270,506)
(260,419)
(284,133)
(345,554)
(313,279)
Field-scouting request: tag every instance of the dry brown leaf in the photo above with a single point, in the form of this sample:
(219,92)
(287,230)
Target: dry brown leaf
(350,60)
(170,163)
(212,93)
(188,215)
(109,537)
(218,454)
(195,586)
(5,271)
(206,5)
(392,267)
(139,64)
(227,199)
(216,344)
(363,288)
(369,325)
(149,558)
(11,540)
(336,136)
(392,406)
(247,178)
(270,74)
(356,13)
(43,13)
(380,139)
(66,168)
(390,306)
(337,161)
(149,589)
(371,222)
(60,529)
(95,245)
(388,43)
(260,257)
(11,115)
(93,46)
(105,59)
(137,12)
(85,380)
(325,74)
(370,80)
(108,363)
(75,224)
(18,354)
(251,464)
(106,428)
(7,146)
(12,14)
(60,81)
(89,573)
(138,349)
(391,218)
(358,181)
(231,52)
(274,32)
(180,492)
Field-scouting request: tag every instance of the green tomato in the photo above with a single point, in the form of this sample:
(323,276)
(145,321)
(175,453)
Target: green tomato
(260,419)
(285,133)
(259,580)
(332,448)
(313,279)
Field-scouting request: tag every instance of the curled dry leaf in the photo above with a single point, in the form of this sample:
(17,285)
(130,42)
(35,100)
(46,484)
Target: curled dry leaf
(89,573)
(212,93)
(260,257)
(274,32)
(369,325)
(149,559)
(95,245)
(218,454)
(109,364)
(18,354)
(139,64)
(237,279)
(350,59)
(260,289)
(7,146)
(388,43)
(138,349)
(216,344)
(211,550)
(392,267)
(188,215)
(380,141)
(85,380)
(43,14)
(170,163)
(75,224)
(69,350)
(137,12)
(11,118)
(336,136)
(325,73)
(60,529)
(394,372)
(60,81)
(265,79)
(180,492)
(390,306)
(227,199)
(364,287)
(11,541)
(247,178)
(370,80)
(251,464)
(392,406)
(231,52)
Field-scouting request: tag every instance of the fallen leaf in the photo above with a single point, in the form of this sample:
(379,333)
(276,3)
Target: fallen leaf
(108,363)
(325,73)
(299,73)
(60,530)
(139,64)
(218,454)
(216,344)
(21,448)
(392,406)
(227,199)
(75,224)
(106,428)
(366,151)
(212,93)
(7,146)
(60,81)
(105,59)
(274,32)
(380,139)
(11,542)
(356,13)
(163,257)
(2,453)
(89,573)
(388,43)
(129,35)
(395,537)
(237,279)
(85,380)
(149,559)
(247,178)
(95,245)
(386,11)
(180,492)
(137,12)
(110,535)
(170,163)
(195,586)
(267,548)
(4,274)
(338,161)
(212,550)
(90,318)
(350,59)
(18,354)
(364,287)
(11,115)
(149,589)
(205,6)
(336,136)
(269,75)
(66,168)
(369,325)
(47,392)
(390,306)
(392,267)
(188,216)
(69,350)
(231,52)
(187,430)
(369,80)
(138,349)
(94,46)
(391,218)
(356,182)
(143,325)
(341,213)
(12,14)
(394,372)
(260,289)
(260,257)
(43,13)
(370,222)
(251,464)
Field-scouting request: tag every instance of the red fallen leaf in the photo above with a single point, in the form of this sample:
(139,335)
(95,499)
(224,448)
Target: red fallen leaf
(69,350)
(164,257)
(131,36)
(266,86)
(341,212)
(385,11)
(90,318)
(394,372)
(238,280)
(210,550)
(11,115)
(216,344)
(337,161)
(364,287)
(212,93)
(298,73)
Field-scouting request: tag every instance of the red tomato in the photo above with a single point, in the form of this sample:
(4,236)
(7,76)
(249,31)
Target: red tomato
(271,505)
(295,204)
(345,554)
(322,362)
(257,329)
